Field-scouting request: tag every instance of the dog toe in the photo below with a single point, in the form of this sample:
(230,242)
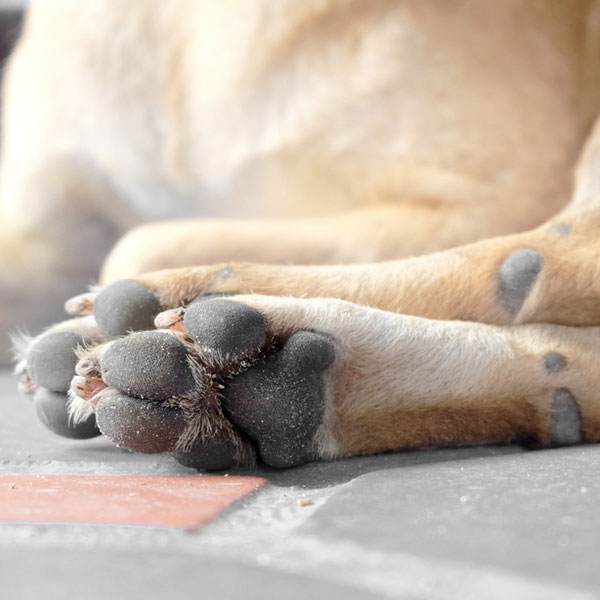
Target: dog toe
(225,326)
(138,425)
(125,306)
(51,408)
(51,359)
(151,365)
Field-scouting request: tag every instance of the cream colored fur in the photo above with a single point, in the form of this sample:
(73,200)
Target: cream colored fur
(334,134)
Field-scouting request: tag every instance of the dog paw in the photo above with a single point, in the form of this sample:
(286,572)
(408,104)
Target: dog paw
(46,369)
(220,387)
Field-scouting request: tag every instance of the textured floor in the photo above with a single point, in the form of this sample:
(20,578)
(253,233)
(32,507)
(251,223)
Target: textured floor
(494,522)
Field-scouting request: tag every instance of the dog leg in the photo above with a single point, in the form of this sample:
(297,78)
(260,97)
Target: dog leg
(292,380)
(544,275)
(376,232)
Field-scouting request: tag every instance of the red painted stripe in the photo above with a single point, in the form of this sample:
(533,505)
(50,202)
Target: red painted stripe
(180,502)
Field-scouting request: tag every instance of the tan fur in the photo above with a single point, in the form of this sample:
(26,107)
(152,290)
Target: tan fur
(316,139)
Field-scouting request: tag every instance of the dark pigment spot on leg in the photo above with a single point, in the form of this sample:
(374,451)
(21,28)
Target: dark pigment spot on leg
(554,362)
(51,360)
(139,425)
(279,402)
(51,408)
(516,278)
(125,306)
(225,325)
(150,364)
(565,421)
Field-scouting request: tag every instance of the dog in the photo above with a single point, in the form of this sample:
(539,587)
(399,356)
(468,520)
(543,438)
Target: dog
(350,227)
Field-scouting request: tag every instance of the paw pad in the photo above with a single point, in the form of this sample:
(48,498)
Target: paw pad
(51,408)
(125,306)
(144,427)
(279,402)
(208,456)
(51,360)
(225,326)
(151,365)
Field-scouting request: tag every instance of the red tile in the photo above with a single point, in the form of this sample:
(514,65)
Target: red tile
(120,499)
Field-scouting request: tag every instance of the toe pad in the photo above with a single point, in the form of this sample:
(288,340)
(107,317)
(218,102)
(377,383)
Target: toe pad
(125,306)
(139,425)
(225,325)
(150,364)
(51,408)
(51,360)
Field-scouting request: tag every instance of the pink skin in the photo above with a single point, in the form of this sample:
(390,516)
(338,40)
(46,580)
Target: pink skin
(170,319)
(87,389)
(82,304)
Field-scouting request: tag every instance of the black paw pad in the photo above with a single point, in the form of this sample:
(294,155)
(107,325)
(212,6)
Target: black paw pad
(225,325)
(139,425)
(125,306)
(51,360)
(208,456)
(516,277)
(279,402)
(51,408)
(150,364)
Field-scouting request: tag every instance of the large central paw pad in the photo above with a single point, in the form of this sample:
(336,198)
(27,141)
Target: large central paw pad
(280,401)
(218,393)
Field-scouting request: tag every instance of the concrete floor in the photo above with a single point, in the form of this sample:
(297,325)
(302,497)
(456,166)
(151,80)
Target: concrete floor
(490,522)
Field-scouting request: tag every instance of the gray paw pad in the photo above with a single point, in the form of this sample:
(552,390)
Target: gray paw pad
(279,402)
(125,306)
(139,426)
(51,408)
(554,362)
(516,277)
(51,360)
(208,456)
(150,364)
(565,421)
(225,325)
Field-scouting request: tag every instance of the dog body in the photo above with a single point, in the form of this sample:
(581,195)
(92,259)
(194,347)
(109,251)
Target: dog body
(346,133)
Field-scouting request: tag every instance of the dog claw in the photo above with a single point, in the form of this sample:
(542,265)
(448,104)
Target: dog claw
(82,304)
(87,389)
(170,319)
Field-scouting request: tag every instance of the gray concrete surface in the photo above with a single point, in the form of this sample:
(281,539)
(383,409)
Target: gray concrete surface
(491,522)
